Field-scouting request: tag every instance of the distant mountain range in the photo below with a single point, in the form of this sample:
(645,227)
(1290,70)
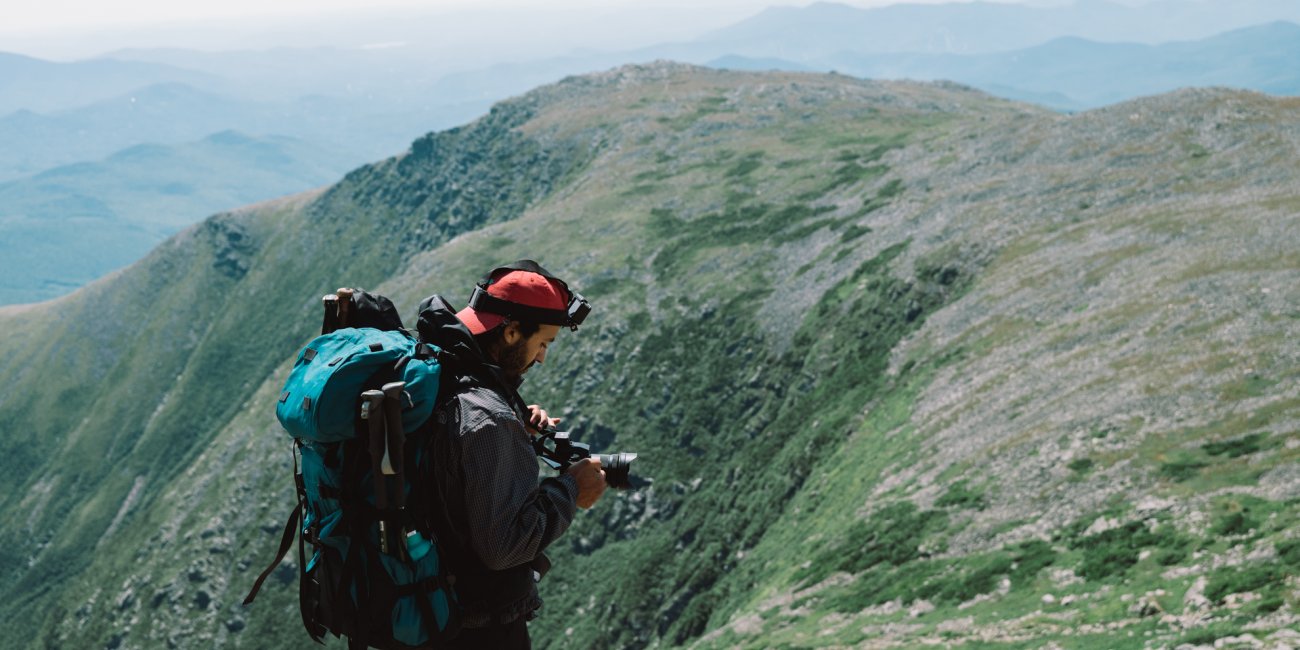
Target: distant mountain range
(69,225)
(171,113)
(35,85)
(364,103)
(826,28)
(1074,74)
(162,113)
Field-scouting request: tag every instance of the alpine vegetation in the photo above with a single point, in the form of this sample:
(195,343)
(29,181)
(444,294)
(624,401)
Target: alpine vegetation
(905,365)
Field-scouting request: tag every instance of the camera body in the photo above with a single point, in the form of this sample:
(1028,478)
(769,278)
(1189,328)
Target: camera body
(559,451)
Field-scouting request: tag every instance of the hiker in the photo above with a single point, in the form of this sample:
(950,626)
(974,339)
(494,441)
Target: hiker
(501,517)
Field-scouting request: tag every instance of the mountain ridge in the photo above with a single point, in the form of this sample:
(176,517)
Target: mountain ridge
(824,305)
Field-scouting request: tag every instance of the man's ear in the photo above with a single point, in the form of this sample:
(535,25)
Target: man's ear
(510,333)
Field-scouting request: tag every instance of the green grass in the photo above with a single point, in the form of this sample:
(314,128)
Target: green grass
(853,232)
(1252,385)
(746,166)
(704,108)
(960,496)
(741,222)
(891,536)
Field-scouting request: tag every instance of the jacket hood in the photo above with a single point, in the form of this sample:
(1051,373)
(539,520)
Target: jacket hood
(438,325)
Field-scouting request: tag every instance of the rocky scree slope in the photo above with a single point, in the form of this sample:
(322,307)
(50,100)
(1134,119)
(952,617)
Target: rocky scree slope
(993,374)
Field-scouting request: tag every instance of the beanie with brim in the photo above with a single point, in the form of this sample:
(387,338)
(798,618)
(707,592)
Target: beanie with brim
(520,288)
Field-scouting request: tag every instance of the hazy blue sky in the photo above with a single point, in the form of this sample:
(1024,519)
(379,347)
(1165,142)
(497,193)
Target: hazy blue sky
(58,15)
(74,29)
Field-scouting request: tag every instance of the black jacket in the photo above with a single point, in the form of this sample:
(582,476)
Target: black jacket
(499,518)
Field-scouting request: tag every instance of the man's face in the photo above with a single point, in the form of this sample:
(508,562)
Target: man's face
(520,353)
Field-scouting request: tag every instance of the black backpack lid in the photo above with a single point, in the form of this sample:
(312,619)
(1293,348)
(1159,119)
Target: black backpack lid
(373,310)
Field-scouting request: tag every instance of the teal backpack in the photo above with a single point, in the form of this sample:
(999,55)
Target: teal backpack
(358,404)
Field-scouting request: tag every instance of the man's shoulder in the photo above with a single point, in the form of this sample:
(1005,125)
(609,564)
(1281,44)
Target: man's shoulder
(477,405)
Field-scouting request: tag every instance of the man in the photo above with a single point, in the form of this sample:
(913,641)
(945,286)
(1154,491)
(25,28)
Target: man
(500,517)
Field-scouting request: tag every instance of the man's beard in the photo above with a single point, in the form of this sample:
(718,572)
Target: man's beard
(513,361)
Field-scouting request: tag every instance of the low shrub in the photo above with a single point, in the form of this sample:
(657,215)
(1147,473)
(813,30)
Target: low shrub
(1181,470)
(1115,551)
(1289,553)
(1080,465)
(1243,579)
(1031,557)
(1233,523)
(1236,447)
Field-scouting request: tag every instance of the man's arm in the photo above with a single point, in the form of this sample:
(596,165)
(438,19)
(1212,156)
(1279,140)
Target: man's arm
(512,517)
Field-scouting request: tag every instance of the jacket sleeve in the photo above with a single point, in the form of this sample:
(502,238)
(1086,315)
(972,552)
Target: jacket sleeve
(512,517)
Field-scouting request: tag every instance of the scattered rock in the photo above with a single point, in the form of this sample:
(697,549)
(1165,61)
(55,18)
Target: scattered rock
(919,608)
(1065,577)
(958,625)
(1102,525)
(1146,607)
(1195,598)
(1149,504)
(1243,641)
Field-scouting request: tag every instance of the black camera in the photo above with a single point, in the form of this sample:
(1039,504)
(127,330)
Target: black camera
(559,451)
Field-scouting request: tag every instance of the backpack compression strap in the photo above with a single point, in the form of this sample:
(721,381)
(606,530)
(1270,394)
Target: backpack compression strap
(286,539)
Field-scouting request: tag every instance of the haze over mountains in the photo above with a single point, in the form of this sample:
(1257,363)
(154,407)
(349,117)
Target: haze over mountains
(404,77)
(70,222)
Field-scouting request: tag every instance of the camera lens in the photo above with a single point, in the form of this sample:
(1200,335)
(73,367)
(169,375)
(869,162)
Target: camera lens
(618,468)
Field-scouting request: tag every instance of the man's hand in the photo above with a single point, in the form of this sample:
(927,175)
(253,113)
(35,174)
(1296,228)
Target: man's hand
(591,481)
(539,419)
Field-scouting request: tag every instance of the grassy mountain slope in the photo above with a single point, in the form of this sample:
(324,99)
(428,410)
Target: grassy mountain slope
(903,361)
